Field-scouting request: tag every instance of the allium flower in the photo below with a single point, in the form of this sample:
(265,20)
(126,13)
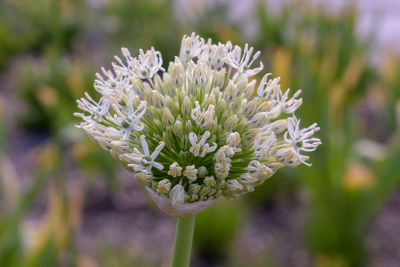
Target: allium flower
(212,131)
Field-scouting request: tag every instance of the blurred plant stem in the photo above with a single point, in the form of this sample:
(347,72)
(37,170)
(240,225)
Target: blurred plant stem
(183,241)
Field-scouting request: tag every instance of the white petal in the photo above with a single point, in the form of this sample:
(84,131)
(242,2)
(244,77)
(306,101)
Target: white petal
(144,145)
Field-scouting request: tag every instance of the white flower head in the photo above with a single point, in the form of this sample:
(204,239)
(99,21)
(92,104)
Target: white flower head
(201,130)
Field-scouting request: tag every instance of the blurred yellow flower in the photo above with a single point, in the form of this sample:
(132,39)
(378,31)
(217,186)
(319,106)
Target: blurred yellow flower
(358,176)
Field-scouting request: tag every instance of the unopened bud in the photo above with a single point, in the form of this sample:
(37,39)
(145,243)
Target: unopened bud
(210,100)
(144,177)
(178,128)
(186,106)
(250,108)
(260,119)
(210,181)
(233,139)
(167,117)
(194,188)
(249,91)
(220,78)
(202,171)
(230,92)
(191,172)
(241,85)
(175,170)
(247,179)
(233,186)
(205,190)
(188,126)
(167,85)
(164,186)
(231,122)
(177,195)
(220,183)
(278,126)
(176,72)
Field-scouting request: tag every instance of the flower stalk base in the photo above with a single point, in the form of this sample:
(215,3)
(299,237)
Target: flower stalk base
(183,241)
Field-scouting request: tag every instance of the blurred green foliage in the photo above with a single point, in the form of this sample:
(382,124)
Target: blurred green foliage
(27,26)
(55,46)
(216,228)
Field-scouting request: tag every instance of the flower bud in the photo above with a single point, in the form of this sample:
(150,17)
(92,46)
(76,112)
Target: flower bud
(164,186)
(175,170)
(172,105)
(278,126)
(233,139)
(167,117)
(230,92)
(177,72)
(231,122)
(202,171)
(220,183)
(197,74)
(285,154)
(241,85)
(137,85)
(251,134)
(210,100)
(189,126)
(144,177)
(233,186)
(191,172)
(194,188)
(250,108)
(158,99)
(205,191)
(260,119)
(267,106)
(118,148)
(220,78)
(222,169)
(186,106)
(177,195)
(178,128)
(249,91)
(210,181)
(247,179)
(167,85)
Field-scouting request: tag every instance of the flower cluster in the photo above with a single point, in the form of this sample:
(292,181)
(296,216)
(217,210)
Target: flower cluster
(202,129)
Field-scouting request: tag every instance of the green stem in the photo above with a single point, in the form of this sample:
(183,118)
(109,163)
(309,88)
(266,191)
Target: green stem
(183,241)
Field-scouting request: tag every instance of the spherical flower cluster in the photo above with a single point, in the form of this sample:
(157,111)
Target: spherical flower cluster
(202,129)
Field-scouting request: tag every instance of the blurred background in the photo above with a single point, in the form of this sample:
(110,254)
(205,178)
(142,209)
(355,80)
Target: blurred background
(65,202)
